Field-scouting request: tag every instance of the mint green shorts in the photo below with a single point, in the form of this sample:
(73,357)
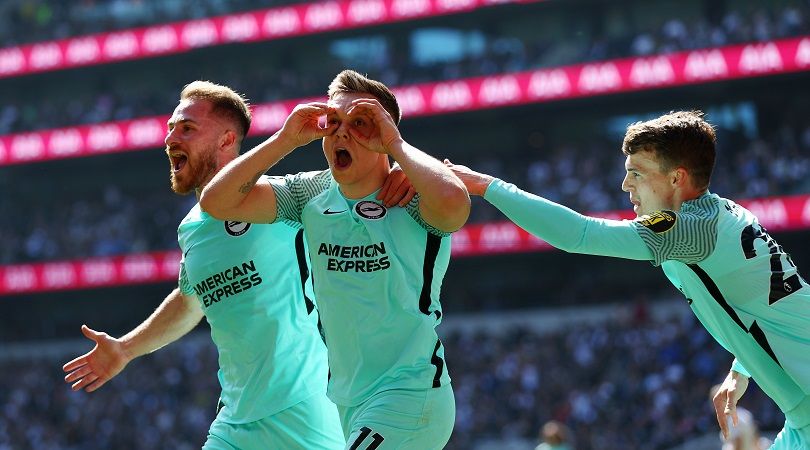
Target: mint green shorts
(400,419)
(312,424)
(792,439)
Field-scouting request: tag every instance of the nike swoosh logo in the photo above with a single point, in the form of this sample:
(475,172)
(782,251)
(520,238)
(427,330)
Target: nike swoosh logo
(334,212)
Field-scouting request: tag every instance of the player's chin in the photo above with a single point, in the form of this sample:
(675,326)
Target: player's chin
(342,176)
(180,187)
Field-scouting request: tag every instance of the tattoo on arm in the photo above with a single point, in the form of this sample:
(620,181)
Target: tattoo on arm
(245,188)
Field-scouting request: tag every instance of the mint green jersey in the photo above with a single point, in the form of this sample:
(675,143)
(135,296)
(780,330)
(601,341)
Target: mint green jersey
(740,283)
(251,281)
(744,288)
(377,275)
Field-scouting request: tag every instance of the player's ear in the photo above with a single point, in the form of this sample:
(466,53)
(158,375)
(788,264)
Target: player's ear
(679,176)
(227,140)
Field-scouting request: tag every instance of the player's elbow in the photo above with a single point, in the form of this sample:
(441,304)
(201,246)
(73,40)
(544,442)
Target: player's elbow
(211,205)
(453,202)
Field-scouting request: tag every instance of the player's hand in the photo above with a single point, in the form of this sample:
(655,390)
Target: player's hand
(475,182)
(397,188)
(303,125)
(372,126)
(96,367)
(725,400)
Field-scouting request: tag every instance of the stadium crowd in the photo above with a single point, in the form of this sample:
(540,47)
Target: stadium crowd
(616,385)
(585,177)
(621,384)
(402,58)
(26,21)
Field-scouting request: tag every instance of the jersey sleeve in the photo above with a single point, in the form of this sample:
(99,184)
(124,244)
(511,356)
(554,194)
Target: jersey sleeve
(294,191)
(688,237)
(565,228)
(413,210)
(738,367)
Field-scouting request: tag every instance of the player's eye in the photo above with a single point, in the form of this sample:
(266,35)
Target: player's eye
(359,122)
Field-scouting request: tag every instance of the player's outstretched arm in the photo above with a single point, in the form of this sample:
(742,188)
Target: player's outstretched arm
(556,224)
(444,201)
(234,194)
(726,398)
(177,315)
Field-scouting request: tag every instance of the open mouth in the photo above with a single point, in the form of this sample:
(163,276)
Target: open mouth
(343,158)
(178,161)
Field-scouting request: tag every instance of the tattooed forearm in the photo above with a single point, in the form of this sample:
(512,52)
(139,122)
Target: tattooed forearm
(245,188)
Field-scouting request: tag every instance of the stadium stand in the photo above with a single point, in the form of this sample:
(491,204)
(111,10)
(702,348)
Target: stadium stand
(405,58)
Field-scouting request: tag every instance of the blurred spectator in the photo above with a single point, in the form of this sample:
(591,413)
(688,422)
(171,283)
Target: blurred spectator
(554,436)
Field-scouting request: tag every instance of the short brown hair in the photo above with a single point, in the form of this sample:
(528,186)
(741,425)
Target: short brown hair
(225,102)
(678,139)
(351,82)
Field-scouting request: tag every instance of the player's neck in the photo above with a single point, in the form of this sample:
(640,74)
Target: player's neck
(693,194)
(222,160)
(366,185)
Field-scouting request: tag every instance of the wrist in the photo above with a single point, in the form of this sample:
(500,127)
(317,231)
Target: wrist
(483,184)
(395,148)
(127,349)
(283,141)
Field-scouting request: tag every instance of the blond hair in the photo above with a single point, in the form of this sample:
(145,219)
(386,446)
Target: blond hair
(225,102)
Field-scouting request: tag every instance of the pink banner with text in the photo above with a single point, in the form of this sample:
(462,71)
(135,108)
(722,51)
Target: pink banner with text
(575,81)
(775,213)
(263,25)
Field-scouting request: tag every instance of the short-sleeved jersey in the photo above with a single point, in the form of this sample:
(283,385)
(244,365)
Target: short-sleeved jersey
(744,288)
(250,280)
(377,276)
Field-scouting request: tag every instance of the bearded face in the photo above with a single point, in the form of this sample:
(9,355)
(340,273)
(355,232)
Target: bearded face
(190,168)
(191,145)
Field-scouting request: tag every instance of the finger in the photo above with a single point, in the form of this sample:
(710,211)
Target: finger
(721,420)
(95,385)
(408,197)
(84,382)
(373,110)
(314,107)
(392,195)
(328,130)
(76,374)
(90,333)
(383,195)
(371,104)
(731,407)
(358,136)
(75,363)
(734,419)
(399,193)
(719,411)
